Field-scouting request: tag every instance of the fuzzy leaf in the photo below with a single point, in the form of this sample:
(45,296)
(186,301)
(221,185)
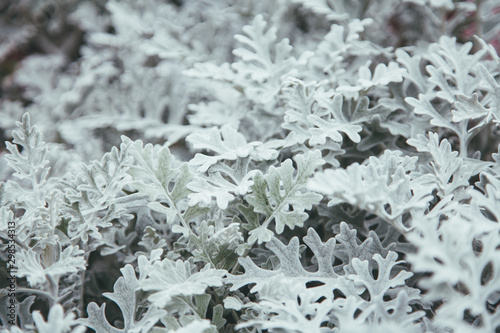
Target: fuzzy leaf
(153,176)
(124,295)
(263,60)
(226,143)
(378,287)
(471,108)
(30,265)
(382,181)
(290,265)
(381,76)
(168,279)
(333,124)
(280,195)
(93,195)
(446,172)
(56,322)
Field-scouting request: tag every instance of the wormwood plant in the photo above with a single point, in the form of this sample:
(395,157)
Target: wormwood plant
(250,166)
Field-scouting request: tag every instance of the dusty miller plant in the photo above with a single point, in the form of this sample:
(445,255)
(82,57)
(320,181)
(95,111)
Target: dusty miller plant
(250,166)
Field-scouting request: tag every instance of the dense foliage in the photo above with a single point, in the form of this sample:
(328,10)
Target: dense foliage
(251,166)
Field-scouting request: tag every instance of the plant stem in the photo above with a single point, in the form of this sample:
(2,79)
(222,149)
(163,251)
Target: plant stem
(478,22)
(36,292)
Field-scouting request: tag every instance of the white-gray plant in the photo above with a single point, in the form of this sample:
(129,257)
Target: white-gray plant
(250,166)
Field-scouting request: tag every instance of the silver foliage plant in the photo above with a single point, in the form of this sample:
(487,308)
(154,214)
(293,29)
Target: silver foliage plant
(250,166)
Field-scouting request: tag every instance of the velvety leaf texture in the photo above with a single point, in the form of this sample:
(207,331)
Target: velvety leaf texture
(249,166)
